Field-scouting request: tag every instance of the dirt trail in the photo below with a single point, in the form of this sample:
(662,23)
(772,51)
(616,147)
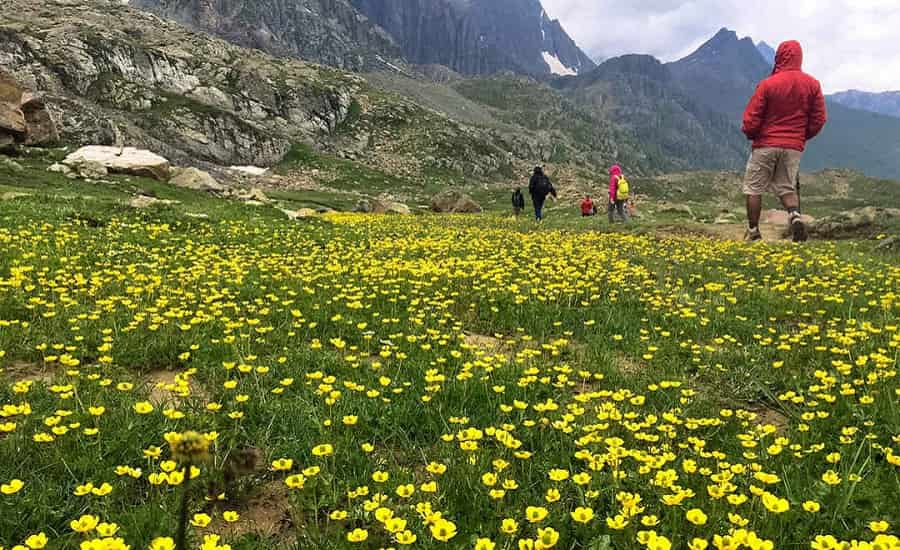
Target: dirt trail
(736,231)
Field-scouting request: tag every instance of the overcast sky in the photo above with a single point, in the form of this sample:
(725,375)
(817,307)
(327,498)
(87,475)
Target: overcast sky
(848,43)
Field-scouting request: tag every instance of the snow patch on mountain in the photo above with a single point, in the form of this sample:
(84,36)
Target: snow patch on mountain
(543,32)
(556,66)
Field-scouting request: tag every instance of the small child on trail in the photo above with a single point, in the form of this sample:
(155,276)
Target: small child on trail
(518,202)
(619,192)
(588,208)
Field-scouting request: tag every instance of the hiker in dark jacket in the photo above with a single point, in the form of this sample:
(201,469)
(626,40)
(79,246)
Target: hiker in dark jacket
(518,202)
(539,188)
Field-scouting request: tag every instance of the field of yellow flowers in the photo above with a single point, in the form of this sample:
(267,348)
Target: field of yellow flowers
(441,382)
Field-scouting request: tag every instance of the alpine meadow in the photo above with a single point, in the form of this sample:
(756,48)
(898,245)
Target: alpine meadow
(427,274)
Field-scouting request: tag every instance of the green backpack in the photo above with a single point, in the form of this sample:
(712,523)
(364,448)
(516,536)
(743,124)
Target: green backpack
(624,190)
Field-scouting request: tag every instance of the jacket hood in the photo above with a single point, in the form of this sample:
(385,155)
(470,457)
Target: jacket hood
(616,170)
(789,57)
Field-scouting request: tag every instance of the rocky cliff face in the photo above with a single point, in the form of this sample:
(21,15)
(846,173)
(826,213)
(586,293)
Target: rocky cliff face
(114,74)
(111,74)
(478,37)
(331,32)
(472,37)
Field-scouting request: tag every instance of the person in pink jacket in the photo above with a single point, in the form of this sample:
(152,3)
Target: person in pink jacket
(615,205)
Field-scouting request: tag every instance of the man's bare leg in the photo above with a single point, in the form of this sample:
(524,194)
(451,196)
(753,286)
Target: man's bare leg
(754,211)
(791,203)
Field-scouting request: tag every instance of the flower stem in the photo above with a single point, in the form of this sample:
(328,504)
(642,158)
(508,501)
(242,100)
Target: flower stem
(183,514)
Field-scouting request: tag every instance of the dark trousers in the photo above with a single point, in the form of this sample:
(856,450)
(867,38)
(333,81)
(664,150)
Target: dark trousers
(538,207)
(617,207)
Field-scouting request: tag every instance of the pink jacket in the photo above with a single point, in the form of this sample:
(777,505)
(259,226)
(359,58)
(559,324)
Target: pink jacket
(614,174)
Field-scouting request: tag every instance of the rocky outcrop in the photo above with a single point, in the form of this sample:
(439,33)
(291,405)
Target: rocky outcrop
(331,32)
(12,120)
(41,128)
(857,223)
(472,37)
(126,160)
(454,202)
(113,74)
(23,115)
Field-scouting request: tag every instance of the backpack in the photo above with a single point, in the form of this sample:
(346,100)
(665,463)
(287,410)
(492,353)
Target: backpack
(623,190)
(548,186)
(540,185)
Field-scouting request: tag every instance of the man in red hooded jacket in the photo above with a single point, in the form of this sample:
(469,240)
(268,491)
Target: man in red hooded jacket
(787,110)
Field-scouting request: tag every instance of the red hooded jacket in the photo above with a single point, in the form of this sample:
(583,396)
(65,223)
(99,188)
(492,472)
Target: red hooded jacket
(788,108)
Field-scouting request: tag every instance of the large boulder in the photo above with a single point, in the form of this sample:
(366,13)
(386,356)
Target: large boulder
(41,128)
(90,170)
(126,160)
(12,120)
(397,208)
(12,123)
(24,117)
(193,178)
(454,202)
(382,206)
(62,169)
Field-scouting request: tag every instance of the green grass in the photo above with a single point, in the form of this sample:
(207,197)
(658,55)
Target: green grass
(299,325)
(342,174)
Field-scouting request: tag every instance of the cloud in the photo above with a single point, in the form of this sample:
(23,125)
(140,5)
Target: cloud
(848,43)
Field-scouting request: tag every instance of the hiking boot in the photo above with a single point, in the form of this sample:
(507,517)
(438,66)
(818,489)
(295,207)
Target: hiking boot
(753,235)
(798,230)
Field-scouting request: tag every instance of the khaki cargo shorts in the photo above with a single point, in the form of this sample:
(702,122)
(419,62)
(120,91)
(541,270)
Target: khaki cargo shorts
(774,170)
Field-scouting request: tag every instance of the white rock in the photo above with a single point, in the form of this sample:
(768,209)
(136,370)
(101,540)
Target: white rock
(59,168)
(146,201)
(193,178)
(127,160)
(252,170)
